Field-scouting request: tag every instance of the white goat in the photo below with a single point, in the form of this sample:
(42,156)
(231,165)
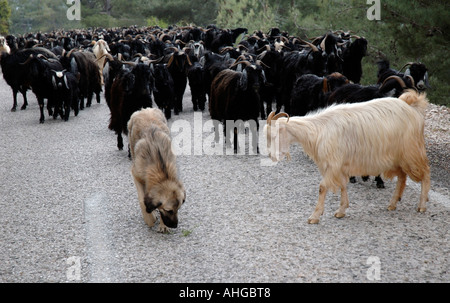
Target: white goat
(100,49)
(380,136)
(4,47)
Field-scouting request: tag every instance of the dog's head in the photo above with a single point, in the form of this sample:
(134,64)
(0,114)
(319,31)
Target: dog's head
(167,197)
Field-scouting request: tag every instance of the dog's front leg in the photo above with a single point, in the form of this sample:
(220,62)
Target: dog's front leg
(162,227)
(149,219)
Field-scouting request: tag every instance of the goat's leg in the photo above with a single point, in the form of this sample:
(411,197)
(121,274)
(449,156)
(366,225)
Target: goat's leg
(380,183)
(425,188)
(119,141)
(399,188)
(340,213)
(89,99)
(235,140)
(41,109)
(13,109)
(314,218)
(25,101)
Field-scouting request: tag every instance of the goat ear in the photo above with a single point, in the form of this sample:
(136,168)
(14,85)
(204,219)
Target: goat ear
(243,80)
(408,72)
(425,78)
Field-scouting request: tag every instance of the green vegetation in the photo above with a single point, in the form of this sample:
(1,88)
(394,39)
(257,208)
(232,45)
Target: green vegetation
(408,30)
(5,14)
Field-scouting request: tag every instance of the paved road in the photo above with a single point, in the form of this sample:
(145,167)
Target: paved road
(69,212)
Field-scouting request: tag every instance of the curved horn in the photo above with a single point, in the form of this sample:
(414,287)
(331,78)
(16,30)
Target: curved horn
(259,62)
(409,63)
(42,56)
(398,79)
(273,117)
(31,57)
(111,58)
(240,62)
(314,48)
(130,63)
(322,44)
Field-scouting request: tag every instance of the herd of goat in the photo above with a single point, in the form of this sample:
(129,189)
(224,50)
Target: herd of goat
(241,75)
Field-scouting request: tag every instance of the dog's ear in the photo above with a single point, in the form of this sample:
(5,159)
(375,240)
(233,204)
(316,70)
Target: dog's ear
(150,205)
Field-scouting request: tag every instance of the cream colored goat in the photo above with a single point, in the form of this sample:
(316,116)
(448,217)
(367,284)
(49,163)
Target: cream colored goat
(4,47)
(100,49)
(380,136)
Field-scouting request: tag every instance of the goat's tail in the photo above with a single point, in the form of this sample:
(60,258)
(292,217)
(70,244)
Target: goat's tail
(417,100)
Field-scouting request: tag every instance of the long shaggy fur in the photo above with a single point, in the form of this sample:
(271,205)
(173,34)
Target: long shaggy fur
(154,168)
(379,136)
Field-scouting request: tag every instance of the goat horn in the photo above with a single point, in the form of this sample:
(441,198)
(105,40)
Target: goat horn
(42,56)
(70,52)
(28,60)
(259,62)
(322,45)
(273,117)
(409,63)
(240,62)
(397,78)
(130,63)
(314,48)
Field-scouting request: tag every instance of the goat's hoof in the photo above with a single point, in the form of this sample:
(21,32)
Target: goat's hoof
(352,180)
(339,215)
(313,221)
(391,207)
(421,209)
(381,185)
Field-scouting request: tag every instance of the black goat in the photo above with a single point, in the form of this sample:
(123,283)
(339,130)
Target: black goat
(294,64)
(130,92)
(311,92)
(17,75)
(164,92)
(416,76)
(271,63)
(90,81)
(113,66)
(197,85)
(235,97)
(177,65)
(352,56)
(65,85)
(40,69)
(212,65)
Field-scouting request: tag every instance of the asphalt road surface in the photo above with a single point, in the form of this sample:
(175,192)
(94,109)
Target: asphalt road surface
(69,212)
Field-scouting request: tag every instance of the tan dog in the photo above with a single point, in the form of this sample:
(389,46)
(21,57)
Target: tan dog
(154,168)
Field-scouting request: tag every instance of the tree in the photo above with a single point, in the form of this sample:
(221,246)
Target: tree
(5,14)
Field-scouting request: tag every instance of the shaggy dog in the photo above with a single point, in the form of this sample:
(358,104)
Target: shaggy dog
(154,168)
